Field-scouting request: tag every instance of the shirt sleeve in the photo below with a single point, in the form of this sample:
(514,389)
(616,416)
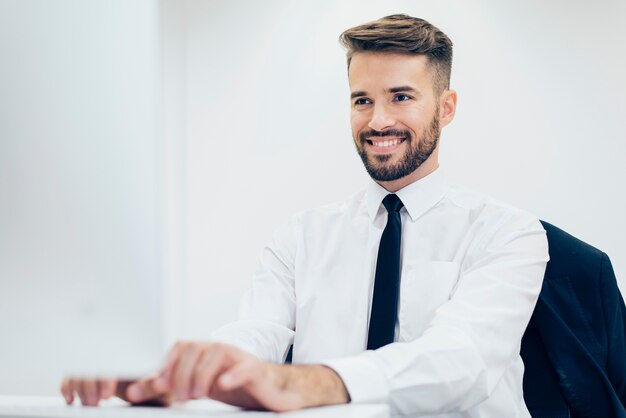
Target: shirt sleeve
(266,323)
(473,338)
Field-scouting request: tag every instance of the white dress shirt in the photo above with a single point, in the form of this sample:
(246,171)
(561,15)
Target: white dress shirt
(471,272)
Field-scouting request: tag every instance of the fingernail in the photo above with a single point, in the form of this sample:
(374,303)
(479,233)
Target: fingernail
(134,392)
(181,395)
(197,392)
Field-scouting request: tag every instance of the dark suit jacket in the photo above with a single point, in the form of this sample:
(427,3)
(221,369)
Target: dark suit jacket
(574,348)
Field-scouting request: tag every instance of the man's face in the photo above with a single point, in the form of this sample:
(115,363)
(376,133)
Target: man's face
(395,114)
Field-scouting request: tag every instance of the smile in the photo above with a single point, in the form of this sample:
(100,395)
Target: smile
(386,144)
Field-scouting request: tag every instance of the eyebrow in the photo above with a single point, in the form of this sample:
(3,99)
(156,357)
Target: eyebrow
(402,89)
(398,89)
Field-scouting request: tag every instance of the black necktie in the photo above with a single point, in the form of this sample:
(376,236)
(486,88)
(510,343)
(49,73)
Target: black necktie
(387,282)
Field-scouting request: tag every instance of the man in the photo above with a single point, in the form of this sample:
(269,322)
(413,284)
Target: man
(411,292)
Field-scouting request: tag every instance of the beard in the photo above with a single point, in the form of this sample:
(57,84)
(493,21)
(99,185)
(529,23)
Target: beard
(418,150)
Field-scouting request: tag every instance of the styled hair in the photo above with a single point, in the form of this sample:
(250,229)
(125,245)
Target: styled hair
(404,34)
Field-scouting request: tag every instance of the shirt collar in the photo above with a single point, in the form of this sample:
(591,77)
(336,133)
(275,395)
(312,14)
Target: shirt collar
(417,197)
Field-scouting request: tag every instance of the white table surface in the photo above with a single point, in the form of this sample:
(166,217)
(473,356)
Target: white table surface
(54,407)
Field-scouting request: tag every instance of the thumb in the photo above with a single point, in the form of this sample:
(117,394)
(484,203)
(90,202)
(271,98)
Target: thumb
(142,390)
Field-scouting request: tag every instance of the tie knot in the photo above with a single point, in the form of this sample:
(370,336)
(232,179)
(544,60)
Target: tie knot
(392,203)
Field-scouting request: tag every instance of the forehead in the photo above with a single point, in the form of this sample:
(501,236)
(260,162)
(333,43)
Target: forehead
(382,70)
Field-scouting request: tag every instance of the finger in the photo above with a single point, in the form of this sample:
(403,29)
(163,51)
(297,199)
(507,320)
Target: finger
(209,365)
(182,374)
(240,374)
(91,392)
(122,388)
(165,375)
(67,390)
(80,390)
(106,388)
(143,390)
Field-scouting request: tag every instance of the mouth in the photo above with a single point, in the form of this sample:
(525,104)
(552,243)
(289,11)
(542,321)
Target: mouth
(385,145)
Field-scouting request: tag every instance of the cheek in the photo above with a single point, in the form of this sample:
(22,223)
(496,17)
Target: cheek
(416,122)
(358,122)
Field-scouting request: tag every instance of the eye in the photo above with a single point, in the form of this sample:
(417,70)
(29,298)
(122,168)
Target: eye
(402,97)
(362,101)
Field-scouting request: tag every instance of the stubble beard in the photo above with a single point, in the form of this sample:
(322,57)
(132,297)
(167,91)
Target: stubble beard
(415,155)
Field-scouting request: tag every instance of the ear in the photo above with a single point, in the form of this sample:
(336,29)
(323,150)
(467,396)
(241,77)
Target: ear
(447,107)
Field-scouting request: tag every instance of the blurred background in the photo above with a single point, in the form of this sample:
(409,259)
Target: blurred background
(148,149)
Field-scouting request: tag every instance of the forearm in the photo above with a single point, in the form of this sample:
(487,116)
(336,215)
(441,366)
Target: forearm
(316,384)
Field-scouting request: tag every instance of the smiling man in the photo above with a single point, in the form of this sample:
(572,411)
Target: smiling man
(412,292)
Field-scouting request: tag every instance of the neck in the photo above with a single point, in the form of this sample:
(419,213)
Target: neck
(422,171)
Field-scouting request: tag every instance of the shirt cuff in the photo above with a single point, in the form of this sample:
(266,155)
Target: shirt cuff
(363,379)
(232,335)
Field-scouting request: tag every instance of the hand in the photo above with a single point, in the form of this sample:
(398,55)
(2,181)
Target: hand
(225,373)
(92,391)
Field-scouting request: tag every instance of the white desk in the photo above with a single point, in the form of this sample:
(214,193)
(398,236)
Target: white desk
(54,407)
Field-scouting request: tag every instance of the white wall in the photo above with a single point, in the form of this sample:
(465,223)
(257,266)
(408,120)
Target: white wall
(539,122)
(79,190)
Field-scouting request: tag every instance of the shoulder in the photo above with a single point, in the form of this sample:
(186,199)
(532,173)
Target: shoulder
(329,213)
(493,228)
(485,212)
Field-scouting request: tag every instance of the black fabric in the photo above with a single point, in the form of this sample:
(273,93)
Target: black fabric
(574,348)
(387,282)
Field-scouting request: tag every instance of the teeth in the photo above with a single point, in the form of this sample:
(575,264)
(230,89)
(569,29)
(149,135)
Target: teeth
(387,143)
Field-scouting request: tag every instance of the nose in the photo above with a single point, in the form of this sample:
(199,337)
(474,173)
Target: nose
(381,119)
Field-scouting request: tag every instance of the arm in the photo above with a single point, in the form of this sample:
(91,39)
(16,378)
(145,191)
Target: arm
(225,373)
